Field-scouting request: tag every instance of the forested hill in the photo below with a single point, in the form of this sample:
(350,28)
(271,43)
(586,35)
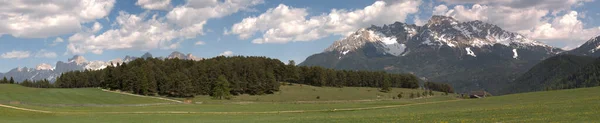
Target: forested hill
(243,75)
(559,72)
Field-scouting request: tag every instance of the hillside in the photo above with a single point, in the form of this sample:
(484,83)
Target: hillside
(11,92)
(542,75)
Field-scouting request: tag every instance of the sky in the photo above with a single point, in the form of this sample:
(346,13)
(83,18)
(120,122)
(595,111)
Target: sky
(47,31)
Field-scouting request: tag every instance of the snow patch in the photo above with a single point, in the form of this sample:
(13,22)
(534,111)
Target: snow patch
(515,54)
(470,52)
(345,52)
(389,40)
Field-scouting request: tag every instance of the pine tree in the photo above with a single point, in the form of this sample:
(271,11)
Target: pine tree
(386,85)
(221,89)
(4,80)
(11,81)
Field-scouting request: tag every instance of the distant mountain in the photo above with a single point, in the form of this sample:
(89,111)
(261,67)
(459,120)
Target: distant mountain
(543,75)
(469,55)
(176,54)
(589,48)
(147,55)
(76,63)
(179,55)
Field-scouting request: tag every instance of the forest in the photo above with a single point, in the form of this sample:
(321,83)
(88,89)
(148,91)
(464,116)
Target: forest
(237,75)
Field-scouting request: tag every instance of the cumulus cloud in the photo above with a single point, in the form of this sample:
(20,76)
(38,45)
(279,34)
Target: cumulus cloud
(135,33)
(57,41)
(96,27)
(565,28)
(540,4)
(146,32)
(154,4)
(16,54)
(199,43)
(544,20)
(283,23)
(226,53)
(40,19)
(45,54)
(193,25)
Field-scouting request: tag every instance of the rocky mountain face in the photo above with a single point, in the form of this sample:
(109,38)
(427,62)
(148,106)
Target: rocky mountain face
(469,55)
(179,55)
(76,63)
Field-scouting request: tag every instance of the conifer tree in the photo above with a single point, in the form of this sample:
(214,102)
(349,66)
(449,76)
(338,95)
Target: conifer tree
(221,89)
(4,80)
(11,81)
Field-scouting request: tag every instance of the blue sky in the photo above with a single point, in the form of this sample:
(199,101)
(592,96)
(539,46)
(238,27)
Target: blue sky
(283,29)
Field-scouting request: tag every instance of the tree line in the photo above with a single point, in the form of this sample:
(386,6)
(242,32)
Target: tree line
(221,76)
(7,81)
(442,87)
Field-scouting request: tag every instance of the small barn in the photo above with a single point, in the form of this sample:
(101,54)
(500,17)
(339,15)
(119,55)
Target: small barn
(479,94)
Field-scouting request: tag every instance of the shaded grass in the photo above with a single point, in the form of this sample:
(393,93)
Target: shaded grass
(305,93)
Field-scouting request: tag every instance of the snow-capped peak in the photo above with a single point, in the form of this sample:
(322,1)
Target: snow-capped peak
(443,30)
(388,44)
(44,66)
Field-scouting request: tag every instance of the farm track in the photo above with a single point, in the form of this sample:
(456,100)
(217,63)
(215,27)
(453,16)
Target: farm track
(130,94)
(264,112)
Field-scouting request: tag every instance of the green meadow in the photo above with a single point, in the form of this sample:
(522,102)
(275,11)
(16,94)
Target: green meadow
(299,104)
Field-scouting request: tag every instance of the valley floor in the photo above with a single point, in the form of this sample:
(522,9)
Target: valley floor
(576,105)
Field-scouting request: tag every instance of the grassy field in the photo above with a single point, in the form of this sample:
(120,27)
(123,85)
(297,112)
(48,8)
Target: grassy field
(576,105)
(22,94)
(307,94)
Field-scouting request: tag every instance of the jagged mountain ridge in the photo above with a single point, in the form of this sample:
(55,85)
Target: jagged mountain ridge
(589,48)
(469,55)
(76,63)
(440,31)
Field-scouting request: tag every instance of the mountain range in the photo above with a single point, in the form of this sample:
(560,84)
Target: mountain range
(469,55)
(47,71)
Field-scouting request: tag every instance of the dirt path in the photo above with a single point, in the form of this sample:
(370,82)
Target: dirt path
(172,100)
(24,109)
(264,112)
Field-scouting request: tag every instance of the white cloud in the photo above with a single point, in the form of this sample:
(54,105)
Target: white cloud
(40,19)
(135,33)
(440,10)
(199,43)
(226,53)
(57,41)
(96,27)
(146,32)
(154,4)
(15,54)
(201,12)
(283,24)
(45,54)
(518,4)
(565,28)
